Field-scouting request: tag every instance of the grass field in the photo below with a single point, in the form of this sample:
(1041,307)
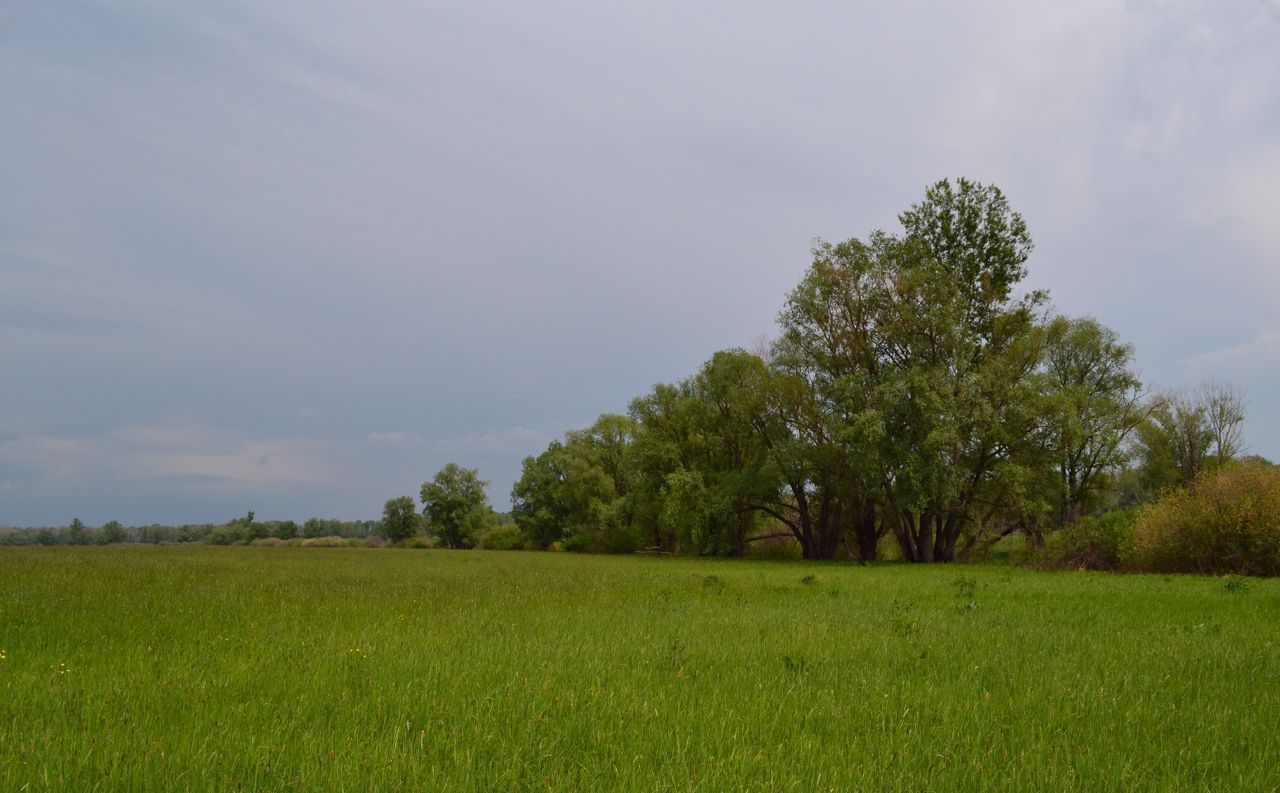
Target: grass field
(198,668)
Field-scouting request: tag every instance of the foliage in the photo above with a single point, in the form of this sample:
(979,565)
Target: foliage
(456,507)
(285,530)
(507,537)
(1096,542)
(399,519)
(1227,521)
(231,534)
(917,391)
(579,488)
(699,463)
(922,358)
(1093,403)
(1189,432)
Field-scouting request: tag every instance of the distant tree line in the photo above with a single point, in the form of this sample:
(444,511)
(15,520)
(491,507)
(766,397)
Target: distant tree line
(242,530)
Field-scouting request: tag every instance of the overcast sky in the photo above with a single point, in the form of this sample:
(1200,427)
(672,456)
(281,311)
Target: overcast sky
(295,256)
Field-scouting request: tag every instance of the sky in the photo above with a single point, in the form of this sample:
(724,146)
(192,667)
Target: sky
(293,257)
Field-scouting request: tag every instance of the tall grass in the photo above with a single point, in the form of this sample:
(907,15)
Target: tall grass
(350,669)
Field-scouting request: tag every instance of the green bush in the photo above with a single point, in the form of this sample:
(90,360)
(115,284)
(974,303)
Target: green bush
(230,534)
(578,543)
(418,541)
(1227,521)
(1102,542)
(503,538)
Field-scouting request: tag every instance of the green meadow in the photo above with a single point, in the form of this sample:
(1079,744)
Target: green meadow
(222,669)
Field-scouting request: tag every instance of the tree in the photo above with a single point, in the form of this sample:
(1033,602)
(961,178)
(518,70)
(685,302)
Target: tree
(1093,405)
(313,527)
(537,497)
(111,532)
(399,519)
(286,530)
(77,534)
(456,507)
(1224,412)
(1189,432)
(699,466)
(920,356)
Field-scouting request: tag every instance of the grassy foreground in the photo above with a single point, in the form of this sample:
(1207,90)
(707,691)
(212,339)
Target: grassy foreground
(137,668)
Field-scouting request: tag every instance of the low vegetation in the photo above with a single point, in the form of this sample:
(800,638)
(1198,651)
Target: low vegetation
(201,668)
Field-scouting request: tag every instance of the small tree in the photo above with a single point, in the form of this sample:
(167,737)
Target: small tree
(456,506)
(78,534)
(111,532)
(314,527)
(1189,433)
(399,519)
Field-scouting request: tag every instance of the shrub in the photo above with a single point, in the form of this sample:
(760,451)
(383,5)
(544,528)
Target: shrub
(503,538)
(418,541)
(268,542)
(1103,542)
(577,543)
(1227,521)
(375,542)
(331,541)
(230,534)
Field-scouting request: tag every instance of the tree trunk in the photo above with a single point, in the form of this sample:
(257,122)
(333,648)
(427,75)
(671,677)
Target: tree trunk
(905,532)
(868,538)
(925,540)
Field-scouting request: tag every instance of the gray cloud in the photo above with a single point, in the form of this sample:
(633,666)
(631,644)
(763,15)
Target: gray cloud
(289,231)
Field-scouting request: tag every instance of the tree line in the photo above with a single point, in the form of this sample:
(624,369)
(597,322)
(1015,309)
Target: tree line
(916,391)
(239,530)
(917,394)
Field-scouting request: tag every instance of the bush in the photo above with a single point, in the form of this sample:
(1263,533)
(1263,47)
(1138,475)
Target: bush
(1103,542)
(502,538)
(231,534)
(418,541)
(1227,521)
(375,542)
(268,542)
(608,539)
(331,541)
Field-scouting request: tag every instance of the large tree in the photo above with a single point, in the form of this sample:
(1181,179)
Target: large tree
(456,506)
(922,354)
